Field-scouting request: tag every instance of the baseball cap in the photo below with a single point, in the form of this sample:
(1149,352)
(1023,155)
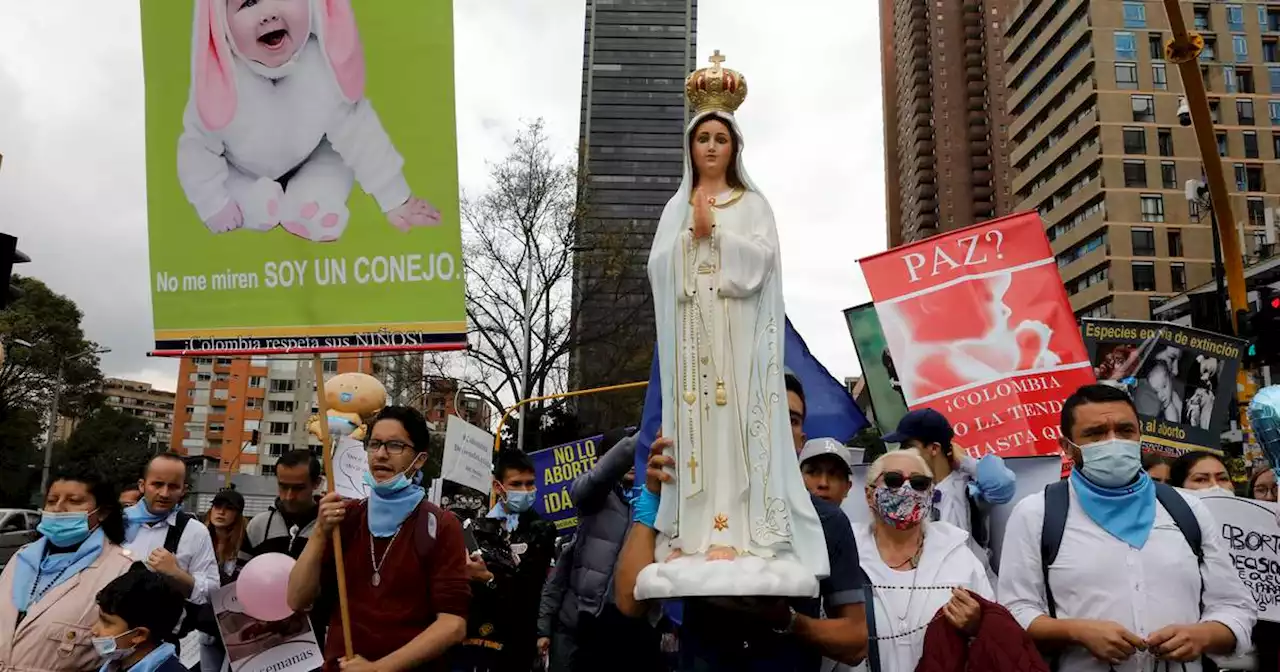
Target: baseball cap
(816,447)
(230,499)
(925,425)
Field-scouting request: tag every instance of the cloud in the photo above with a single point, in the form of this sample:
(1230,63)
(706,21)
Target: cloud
(71,131)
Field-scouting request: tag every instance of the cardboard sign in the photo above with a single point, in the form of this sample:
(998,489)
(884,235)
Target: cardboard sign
(1181,378)
(981,330)
(468,455)
(1252,537)
(555,468)
(258,646)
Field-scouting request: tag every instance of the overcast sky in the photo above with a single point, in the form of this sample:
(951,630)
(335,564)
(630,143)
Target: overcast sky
(73,188)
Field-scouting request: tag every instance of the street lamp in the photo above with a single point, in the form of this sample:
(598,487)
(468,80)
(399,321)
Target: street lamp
(53,410)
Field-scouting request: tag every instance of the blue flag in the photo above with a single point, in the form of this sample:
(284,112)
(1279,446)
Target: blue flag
(829,410)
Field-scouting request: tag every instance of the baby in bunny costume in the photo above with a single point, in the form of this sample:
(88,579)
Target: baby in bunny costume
(277,126)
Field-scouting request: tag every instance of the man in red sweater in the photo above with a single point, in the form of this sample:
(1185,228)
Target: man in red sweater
(405,561)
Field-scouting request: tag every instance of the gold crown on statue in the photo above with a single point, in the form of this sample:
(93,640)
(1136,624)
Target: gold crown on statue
(715,89)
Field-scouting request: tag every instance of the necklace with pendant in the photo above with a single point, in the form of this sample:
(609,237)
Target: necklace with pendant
(376,579)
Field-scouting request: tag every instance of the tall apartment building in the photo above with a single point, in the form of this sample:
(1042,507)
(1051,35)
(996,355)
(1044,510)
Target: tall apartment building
(1099,151)
(636,56)
(143,401)
(441,399)
(945,115)
(222,401)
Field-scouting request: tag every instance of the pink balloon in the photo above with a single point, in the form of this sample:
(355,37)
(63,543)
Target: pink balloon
(262,586)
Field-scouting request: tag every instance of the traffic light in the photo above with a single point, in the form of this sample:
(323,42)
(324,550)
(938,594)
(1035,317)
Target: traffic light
(1264,327)
(9,255)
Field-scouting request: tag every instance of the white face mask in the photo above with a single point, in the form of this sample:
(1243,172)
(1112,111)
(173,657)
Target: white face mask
(1215,491)
(109,650)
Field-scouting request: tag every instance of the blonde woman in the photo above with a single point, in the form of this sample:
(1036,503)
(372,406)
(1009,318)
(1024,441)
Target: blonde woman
(919,571)
(227,524)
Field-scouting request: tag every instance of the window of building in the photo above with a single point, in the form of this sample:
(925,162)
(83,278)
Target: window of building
(1275,150)
(330,366)
(1269,18)
(1249,177)
(1210,50)
(1273,74)
(1235,17)
(203,377)
(1155,46)
(1164,140)
(1144,276)
(1152,211)
(1244,81)
(1135,141)
(216,427)
(1270,51)
(1144,241)
(1144,108)
(258,360)
(224,361)
(222,377)
(1215,110)
(1100,310)
(1240,45)
(279,428)
(1126,75)
(257,381)
(1273,107)
(1178,277)
(1201,17)
(1256,210)
(201,361)
(1126,46)
(253,403)
(1244,111)
(1250,145)
(1228,78)
(1135,15)
(268,470)
(1135,174)
(1168,175)
(280,406)
(1159,77)
(1175,243)
(282,385)
(1222,142)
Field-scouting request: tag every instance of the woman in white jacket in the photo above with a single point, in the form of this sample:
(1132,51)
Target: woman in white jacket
(918,571)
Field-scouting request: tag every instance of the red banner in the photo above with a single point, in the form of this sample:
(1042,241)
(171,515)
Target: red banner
(980,329)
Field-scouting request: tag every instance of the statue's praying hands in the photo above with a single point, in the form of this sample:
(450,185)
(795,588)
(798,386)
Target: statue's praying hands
(702,219)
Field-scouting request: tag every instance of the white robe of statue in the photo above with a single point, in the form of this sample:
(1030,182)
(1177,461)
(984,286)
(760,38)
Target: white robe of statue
(721,324)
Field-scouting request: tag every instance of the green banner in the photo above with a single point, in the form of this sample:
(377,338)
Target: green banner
(887,402)
(302,188)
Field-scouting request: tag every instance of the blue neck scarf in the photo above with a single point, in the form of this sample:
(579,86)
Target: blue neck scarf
(150,662)
(138,515)
(499,512)
(52,570)
(1126,513)
(390,503)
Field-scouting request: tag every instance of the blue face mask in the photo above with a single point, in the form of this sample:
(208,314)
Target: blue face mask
(65,529)
(520,501)
(1112,463)
(388,487)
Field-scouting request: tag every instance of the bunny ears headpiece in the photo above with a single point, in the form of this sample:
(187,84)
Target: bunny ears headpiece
(213,74)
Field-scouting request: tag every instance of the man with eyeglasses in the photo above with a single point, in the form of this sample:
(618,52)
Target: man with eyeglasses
(404,560)
(1109,570)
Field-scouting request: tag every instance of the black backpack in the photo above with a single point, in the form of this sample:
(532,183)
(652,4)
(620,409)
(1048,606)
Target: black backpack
(191,610)
(1057,501)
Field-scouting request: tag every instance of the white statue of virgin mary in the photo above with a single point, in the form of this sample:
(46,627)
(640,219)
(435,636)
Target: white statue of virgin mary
(737,520)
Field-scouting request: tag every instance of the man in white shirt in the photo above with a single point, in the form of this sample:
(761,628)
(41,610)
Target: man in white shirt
(193,566)
(1126,588)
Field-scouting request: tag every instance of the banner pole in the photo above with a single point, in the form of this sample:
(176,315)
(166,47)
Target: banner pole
(325,450)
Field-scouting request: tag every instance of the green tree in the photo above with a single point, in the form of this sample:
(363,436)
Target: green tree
(20,457)
(113,443)
(868,440)
(50,322)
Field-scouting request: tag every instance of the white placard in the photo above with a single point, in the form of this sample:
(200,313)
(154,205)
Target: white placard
(189,650)
(350,464)
(1252,538)
(468,455)
(1032,473)
(257,646)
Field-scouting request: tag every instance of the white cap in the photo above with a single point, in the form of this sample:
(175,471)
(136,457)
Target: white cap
(815,447)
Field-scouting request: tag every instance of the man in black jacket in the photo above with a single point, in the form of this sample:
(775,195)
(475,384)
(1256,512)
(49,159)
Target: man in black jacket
(507,578)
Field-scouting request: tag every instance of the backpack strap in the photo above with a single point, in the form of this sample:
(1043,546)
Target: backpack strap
(873,642)
(428,524)
(1057,501)
(1183,517)
(174,536)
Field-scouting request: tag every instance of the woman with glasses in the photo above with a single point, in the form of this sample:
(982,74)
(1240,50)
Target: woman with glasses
(48,590)
(404,560)
(919,571)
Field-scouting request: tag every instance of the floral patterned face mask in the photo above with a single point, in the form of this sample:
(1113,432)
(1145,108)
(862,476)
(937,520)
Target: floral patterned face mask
(902,507)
